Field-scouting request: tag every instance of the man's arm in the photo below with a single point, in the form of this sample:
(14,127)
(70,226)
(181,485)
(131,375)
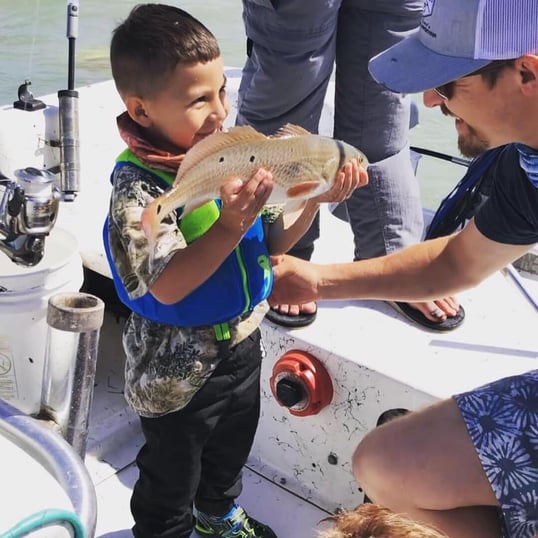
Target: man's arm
(425,271)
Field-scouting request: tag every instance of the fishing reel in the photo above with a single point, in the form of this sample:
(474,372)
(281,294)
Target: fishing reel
(28,211)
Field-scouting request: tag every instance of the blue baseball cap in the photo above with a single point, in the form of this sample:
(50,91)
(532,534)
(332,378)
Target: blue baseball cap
(455,38)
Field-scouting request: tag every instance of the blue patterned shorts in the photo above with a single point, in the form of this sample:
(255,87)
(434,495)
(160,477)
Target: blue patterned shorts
(502,420)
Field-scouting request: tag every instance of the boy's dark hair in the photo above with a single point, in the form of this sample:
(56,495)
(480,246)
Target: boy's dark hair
(148,45)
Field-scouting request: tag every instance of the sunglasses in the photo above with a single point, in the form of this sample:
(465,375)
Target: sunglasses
(446,91)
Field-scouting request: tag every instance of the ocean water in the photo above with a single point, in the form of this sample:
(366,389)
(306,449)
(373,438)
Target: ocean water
(35,47)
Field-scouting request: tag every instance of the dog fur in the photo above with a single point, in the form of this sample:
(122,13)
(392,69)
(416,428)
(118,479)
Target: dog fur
(374,521)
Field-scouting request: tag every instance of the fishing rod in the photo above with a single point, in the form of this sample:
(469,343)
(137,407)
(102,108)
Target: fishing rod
(68,112)
(443,156)
(511,271)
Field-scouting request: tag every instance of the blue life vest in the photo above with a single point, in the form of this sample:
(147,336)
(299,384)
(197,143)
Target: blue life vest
(243,280)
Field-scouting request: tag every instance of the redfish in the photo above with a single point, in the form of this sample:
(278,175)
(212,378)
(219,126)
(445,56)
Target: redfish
(303,165)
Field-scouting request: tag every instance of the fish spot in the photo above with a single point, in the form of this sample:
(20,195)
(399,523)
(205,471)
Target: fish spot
(221,159)
(159,207)
(252,158)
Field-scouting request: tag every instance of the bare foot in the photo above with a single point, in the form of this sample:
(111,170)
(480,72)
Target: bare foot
(438,310)
(296,309)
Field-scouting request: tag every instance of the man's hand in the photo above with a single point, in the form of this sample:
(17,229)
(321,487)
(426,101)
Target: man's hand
(295,281)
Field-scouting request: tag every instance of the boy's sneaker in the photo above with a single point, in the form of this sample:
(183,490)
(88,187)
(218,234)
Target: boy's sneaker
(235,524)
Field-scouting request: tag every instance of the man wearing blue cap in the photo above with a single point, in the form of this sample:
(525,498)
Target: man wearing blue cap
(468,464)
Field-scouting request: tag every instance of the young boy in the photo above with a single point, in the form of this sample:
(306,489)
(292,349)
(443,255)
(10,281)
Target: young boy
(192,342)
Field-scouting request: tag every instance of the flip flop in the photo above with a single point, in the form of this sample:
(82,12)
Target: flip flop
(449,324)
(302,320)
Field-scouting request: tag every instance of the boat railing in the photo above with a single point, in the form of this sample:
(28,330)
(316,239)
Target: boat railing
(56,456)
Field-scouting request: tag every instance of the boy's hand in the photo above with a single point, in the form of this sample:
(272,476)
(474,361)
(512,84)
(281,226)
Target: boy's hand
(242,201)
(347,180)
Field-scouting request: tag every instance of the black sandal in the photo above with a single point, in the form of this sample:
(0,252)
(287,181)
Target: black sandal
(449,324)
(290,321)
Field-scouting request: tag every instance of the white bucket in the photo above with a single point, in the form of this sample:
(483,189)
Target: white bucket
(24,295)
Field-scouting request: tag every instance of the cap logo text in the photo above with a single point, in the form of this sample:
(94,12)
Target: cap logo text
(428,8)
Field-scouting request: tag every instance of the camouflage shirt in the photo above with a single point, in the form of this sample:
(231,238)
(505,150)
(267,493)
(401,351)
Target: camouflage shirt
(165,364)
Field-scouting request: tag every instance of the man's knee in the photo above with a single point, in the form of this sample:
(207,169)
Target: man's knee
(380,455)
(367,463)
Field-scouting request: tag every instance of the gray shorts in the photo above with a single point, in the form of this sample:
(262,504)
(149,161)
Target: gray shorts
(502,420)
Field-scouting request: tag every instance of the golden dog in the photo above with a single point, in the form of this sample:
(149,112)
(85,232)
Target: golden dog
(374,521)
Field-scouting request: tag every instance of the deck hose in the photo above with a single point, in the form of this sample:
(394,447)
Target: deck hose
(43,519)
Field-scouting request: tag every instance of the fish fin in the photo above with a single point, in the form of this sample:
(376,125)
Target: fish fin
(190,206)
(216,142)
(294,205)
(301,189)
(292,211)
(244,131)
(289,130)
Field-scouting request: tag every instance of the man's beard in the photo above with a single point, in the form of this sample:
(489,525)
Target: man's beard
(471,145)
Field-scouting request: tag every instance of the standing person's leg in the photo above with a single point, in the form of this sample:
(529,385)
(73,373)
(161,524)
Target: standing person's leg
(290,58)
(291,49)
(237,395)
(169,471)
(386,215)
(236,386)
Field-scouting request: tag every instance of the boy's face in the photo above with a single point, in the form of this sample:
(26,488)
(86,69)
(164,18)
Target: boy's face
(192,106)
